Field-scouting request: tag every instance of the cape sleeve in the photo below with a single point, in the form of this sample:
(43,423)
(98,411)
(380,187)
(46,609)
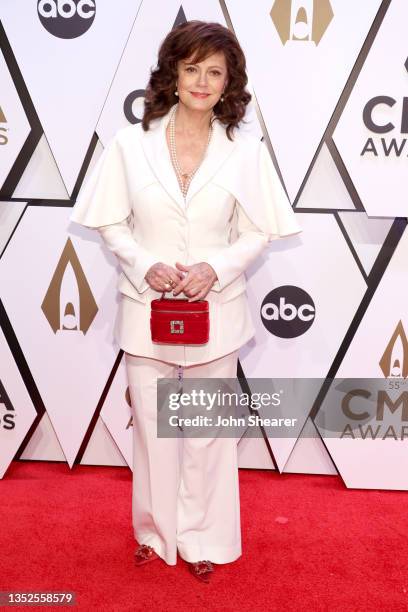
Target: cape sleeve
(104,198)
(260,192)
(275,209)
(264,212)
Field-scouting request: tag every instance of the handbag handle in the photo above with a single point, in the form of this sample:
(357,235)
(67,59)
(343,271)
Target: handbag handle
(162,297)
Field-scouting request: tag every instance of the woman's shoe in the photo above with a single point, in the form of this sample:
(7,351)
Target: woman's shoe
(202,570)
(144,554)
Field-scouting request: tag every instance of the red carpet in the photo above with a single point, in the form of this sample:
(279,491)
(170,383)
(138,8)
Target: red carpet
(308,544)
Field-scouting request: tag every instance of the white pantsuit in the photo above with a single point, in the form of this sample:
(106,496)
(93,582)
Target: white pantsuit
(234,206)
(185,490)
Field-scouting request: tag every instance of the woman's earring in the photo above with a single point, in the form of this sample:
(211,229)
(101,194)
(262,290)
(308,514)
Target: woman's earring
(176,93)
(222,98)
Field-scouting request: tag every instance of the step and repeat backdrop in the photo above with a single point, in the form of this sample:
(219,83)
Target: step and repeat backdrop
(329,80)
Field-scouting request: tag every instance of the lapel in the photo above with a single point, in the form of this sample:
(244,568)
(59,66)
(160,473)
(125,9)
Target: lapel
(158,155)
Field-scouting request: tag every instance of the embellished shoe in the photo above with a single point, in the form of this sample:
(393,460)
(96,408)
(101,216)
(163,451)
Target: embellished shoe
(144,554)
(201,570)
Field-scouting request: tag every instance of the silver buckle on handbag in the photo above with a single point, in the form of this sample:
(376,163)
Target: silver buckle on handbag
(177,327)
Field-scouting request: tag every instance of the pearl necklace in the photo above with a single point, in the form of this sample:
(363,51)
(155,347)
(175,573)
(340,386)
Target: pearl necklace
(184,185)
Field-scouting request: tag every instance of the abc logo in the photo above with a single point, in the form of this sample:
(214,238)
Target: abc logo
(287,311)
(66,18)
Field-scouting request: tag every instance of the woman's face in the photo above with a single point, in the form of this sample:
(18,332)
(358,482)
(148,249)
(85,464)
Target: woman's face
(200,85)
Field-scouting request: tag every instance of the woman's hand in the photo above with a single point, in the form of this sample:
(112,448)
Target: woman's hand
(198,281)
(162,277)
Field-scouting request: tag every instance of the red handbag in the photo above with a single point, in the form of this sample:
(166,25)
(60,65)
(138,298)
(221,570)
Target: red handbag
(178,321)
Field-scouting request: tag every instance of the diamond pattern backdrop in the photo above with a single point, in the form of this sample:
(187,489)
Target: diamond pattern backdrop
(328,80)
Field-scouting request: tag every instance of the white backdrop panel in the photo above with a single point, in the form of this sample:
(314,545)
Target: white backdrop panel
(16,408)
(310,263)
(375,111)
(70,365)
(68,78)
(379,463)
(298,83)
(14,126)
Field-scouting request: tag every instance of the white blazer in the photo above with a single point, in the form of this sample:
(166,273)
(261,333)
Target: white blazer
(235,205)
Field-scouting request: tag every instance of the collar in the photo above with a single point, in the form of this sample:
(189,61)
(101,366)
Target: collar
(158,155)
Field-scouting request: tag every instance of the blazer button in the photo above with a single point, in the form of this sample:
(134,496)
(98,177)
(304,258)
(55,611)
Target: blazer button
(181,247)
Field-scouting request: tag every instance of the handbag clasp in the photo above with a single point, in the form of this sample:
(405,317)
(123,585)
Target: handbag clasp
(176,327)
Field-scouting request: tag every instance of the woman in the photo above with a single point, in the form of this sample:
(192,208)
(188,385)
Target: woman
(186,201)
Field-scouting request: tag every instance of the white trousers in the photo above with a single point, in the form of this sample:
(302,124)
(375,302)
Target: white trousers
(185,492)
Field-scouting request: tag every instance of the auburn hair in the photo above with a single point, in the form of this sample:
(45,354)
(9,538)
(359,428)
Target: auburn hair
(198,39)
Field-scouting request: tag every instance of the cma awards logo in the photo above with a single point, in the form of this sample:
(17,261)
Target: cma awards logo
(69,304)
(3,129)
(287,311)
(376,119)
(66,18)
(7,411)
(380,413)
(301,20)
